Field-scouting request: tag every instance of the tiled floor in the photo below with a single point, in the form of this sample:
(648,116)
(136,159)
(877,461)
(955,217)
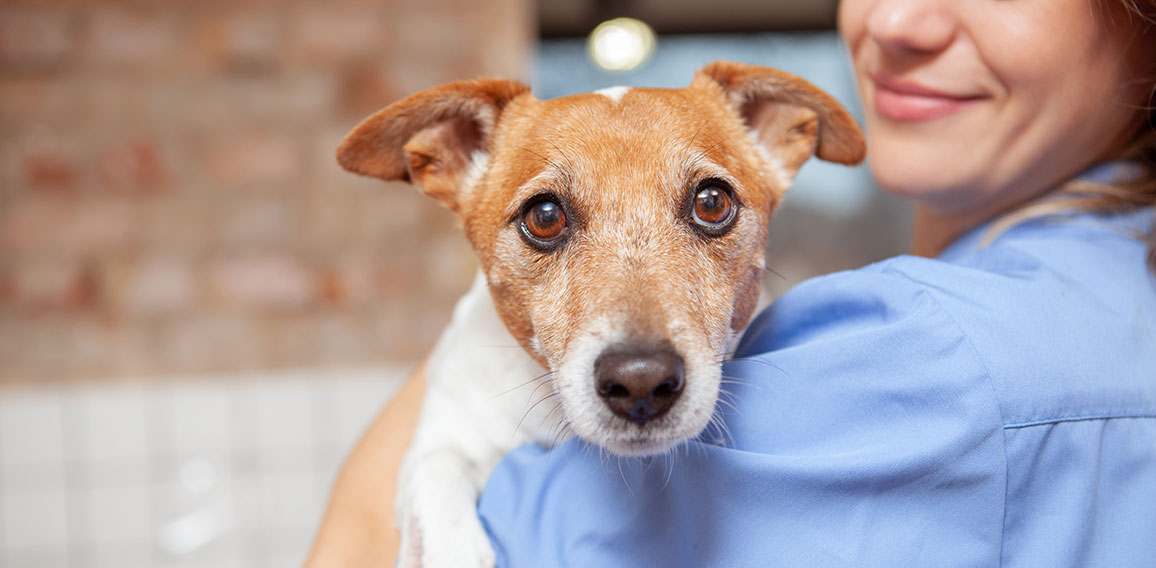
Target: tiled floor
(221,471)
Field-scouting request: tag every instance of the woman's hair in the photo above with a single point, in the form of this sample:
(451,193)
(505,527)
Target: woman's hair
(1138,191)
(1139,188)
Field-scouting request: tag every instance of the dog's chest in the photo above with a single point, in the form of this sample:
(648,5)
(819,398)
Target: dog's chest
(477,361)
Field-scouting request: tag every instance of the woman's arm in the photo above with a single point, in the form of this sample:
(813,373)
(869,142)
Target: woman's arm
(358,529)
(857,427)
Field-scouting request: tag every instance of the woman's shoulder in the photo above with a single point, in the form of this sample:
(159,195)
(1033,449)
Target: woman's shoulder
(822,309)
(1060,316)
(868,391)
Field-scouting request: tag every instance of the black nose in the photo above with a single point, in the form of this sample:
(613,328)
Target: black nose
(639,384)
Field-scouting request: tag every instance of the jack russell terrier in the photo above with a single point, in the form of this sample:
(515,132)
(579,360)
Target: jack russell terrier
(621,239)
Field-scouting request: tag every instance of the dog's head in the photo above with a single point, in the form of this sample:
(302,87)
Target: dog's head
(621,232)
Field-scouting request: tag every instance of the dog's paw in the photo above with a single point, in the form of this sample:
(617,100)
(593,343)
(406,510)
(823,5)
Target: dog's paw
(445,543)
(409,556)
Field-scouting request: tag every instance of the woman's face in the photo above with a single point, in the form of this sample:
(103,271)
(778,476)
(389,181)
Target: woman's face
(976,105)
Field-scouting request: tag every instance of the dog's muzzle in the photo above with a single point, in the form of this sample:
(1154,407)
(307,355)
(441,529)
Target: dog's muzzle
(639,384)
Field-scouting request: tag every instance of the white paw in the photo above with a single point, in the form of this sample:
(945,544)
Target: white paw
(445,543)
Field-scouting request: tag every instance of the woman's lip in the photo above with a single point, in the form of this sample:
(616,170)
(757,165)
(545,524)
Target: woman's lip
(911,102)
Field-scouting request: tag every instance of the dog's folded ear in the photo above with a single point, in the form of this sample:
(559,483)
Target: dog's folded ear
(789,116)
(431,138)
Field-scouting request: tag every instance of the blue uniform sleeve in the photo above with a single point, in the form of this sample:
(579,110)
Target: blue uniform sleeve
(860,429)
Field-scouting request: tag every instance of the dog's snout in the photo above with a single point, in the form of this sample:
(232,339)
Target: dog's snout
(639,384)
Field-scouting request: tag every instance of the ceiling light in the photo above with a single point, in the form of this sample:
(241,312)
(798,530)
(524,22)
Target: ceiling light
(621,44)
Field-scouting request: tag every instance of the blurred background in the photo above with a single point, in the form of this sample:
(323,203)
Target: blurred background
(199,311)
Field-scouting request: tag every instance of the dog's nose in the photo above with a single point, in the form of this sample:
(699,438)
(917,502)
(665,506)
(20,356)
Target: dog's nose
(639,384)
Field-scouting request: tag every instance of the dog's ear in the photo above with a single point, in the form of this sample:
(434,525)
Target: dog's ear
(430,138)
(791,118)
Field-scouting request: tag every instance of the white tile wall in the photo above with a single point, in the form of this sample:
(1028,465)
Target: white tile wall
(206,472)
(30,424)
(34,519)
(200,418)
(109,422)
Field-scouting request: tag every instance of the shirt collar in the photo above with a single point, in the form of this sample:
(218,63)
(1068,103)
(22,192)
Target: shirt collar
(1103,173)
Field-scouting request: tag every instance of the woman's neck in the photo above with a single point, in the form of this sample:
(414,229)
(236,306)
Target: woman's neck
(938,225)
(934,231)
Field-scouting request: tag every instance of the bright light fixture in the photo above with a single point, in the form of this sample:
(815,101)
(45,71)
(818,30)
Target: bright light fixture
(621,44)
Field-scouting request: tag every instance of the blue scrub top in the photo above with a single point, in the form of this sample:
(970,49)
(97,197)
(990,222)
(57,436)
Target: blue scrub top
(992,407)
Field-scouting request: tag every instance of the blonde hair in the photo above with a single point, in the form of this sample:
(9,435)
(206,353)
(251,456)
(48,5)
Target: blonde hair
(1141,190)
(1137,191)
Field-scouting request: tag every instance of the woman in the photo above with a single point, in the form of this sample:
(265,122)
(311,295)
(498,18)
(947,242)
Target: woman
(995,404)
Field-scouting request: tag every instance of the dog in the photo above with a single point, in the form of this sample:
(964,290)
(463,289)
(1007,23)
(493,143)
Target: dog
(621,238)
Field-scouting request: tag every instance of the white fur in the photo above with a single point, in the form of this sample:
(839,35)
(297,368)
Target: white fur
(774,166)
(479,163)
(477,407)
(613,93)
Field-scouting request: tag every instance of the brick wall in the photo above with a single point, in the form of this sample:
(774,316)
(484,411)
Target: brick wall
(169,202)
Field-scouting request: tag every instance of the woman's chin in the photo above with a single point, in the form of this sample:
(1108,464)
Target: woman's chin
(923,181)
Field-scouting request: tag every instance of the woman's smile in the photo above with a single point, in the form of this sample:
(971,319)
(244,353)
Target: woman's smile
(909,101)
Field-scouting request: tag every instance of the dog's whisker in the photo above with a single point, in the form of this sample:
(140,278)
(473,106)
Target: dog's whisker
(649,464)
(719,423)
(547,374)
(726,433)
(733,409)
(726,430)
(585,452)
(702,450)
(702,154)
(624,480)
(695,137)
(669,463)
(543,158)
(736,382)
(723,400)
(758,360)
(546,419)
(712,429)
(698,155)
(699,448)
(725,392)
(565,432)
(773,271)
(534,392)
(530,410)
(724,436)
(570,167)
(558,432)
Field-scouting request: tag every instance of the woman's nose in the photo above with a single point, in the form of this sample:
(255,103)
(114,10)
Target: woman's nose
(919,26)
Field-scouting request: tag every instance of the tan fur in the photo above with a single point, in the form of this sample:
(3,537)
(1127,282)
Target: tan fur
(631,256)
(427,138)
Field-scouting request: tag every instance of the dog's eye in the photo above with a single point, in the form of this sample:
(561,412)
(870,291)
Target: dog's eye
(545,220)
(543,223)
(713,207)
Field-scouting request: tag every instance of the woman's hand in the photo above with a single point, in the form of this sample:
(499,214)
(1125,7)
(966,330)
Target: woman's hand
(358,528)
